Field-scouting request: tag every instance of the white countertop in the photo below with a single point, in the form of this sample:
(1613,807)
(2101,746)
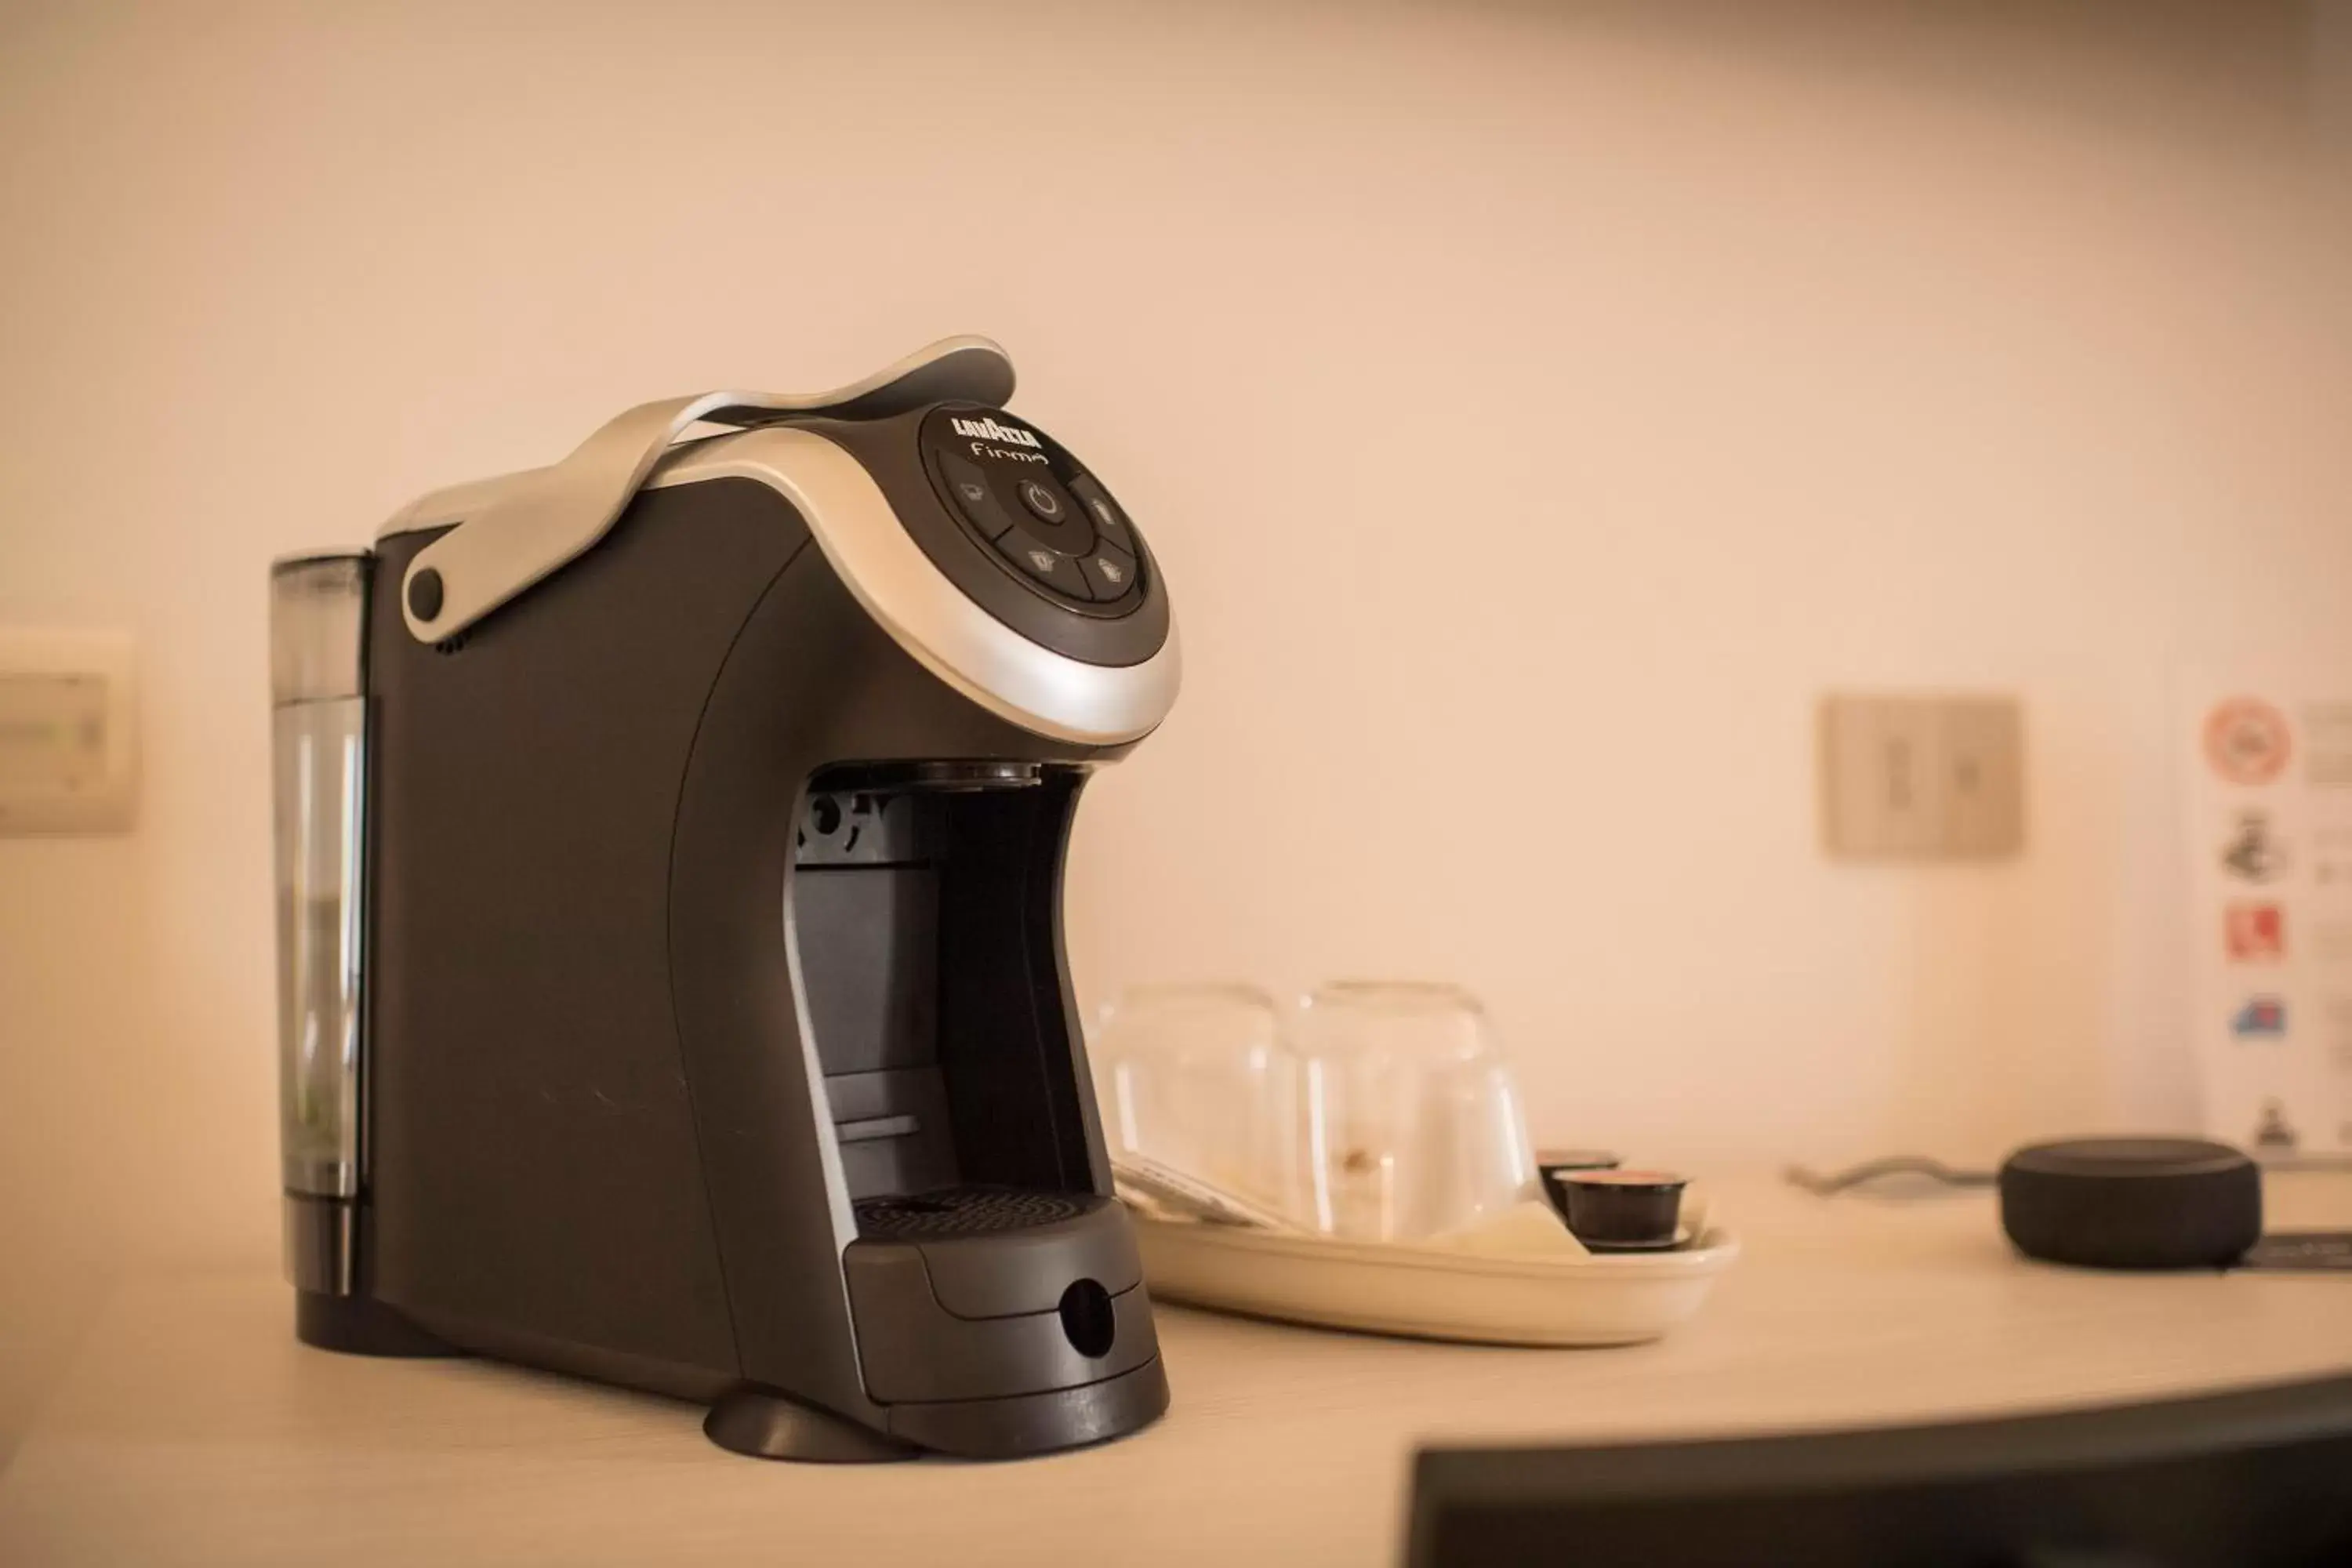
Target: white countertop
(192,1427)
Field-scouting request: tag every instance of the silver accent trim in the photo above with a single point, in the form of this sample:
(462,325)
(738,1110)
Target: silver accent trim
(1022,682)
(828,1142)
(533,524)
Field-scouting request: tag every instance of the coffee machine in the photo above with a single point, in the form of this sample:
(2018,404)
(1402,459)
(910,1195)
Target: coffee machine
(673,987)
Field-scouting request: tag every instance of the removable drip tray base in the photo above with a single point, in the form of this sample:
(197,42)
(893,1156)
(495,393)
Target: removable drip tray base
(965,1211)
(979,1293)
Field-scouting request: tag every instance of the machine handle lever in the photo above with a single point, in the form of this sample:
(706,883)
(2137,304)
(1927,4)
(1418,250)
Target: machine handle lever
(540,526)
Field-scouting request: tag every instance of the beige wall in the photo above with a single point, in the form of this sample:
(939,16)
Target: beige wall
(1535,407)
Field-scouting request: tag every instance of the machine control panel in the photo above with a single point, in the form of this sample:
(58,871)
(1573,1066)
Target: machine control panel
(1050,524)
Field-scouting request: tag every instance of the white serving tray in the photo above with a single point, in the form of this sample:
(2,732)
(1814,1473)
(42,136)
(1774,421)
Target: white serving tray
(1617,1298)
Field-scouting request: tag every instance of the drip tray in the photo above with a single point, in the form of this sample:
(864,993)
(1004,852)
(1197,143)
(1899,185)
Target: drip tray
(965,1211)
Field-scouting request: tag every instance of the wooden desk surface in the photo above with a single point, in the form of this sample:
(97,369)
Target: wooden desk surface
(192,1428)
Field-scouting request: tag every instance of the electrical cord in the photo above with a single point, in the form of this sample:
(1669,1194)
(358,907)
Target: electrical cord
(1917,1167)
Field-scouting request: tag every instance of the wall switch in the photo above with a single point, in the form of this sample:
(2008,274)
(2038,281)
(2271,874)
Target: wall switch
(69,733)
(1923,778)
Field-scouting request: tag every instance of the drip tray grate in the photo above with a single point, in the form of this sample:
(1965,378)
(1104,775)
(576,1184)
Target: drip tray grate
(965,1211)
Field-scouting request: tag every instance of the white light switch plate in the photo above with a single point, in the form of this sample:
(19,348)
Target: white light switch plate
(68,732)
(1923,777)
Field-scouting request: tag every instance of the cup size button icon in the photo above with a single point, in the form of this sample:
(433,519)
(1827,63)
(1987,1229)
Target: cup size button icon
(1110,521)
(1108,570)
(973,495)
(1042,562)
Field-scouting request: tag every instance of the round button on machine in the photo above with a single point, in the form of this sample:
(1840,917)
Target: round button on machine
(1045,497)
(1054,516)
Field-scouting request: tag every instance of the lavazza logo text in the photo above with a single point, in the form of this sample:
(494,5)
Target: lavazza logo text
(990,430)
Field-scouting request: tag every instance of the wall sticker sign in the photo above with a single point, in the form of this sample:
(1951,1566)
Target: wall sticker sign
(2268,769)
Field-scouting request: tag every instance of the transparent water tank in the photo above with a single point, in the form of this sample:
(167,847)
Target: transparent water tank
(317,643)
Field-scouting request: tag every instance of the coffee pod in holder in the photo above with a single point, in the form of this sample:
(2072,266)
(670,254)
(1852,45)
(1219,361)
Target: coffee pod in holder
(1556,1165)
(1622,1211)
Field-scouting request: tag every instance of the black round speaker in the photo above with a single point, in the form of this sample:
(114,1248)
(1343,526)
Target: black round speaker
(2132,1203)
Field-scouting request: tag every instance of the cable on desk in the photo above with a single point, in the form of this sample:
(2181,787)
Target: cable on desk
(1870,1171)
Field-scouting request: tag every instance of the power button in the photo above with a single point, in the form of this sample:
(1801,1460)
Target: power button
(1045,497)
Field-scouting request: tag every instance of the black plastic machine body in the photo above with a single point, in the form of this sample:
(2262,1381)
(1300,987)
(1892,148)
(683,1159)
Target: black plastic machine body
(688,1008)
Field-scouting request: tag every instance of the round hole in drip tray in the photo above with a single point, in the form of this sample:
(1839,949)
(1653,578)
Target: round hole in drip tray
(1088,1318)
(826,814)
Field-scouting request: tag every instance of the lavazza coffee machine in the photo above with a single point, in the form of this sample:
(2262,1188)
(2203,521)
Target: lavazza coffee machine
(669,861)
